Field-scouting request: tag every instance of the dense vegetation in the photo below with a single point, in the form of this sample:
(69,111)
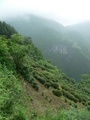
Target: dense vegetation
(21,61)
(11,103)
(65,47)
(6,29)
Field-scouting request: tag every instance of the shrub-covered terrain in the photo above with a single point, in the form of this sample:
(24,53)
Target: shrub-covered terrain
(11,103)
(29,82)
(64,46)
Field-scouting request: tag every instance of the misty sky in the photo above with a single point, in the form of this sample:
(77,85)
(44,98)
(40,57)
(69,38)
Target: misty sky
(64,11)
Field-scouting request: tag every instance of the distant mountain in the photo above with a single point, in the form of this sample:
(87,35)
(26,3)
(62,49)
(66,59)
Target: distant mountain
(83,28)
(64,46)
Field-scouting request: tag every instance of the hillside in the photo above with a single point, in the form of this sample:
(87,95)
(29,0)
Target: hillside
(66,48)
(29,84)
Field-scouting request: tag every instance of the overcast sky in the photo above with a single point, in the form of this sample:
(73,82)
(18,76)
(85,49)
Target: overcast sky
(64,11)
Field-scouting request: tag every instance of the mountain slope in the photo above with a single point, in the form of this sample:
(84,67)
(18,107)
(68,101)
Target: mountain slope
(29,83)
(83,28)
(6,29)
(65,47)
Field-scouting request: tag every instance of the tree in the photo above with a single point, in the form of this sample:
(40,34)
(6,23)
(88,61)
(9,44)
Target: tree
(6,29)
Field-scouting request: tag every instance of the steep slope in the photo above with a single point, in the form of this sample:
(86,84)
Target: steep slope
(44,87)
(12,106)
(63,46)
(6,29)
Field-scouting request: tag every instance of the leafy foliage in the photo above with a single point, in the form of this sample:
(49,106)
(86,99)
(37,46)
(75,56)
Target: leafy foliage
(57,92)
(11,103)
(19,58)
(25,59)
(71,114)
(6,29)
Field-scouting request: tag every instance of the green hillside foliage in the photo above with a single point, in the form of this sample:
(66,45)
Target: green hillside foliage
(65,47)
(22,62)
(6,29)
(11,104)
(71,114)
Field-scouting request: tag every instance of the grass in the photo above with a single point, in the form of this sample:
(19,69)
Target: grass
(71,114)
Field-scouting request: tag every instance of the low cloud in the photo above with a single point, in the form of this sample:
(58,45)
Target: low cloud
(63,11)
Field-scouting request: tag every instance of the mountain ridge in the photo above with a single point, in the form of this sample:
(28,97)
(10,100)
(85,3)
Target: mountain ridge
(59,44)
(29,83)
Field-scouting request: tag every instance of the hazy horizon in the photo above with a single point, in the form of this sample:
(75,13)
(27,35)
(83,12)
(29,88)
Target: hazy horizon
(66,12)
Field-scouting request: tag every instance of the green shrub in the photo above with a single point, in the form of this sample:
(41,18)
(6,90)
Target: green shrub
(55,85)
(35,85)
(74,114)
(77,96)
(40,79)
(88,107)
(67,88)
(57,92)
(31,79)
(47,85)
(24,71)
(83,103)
(88,103)
(11,103)
(84,100)
(65,100)
(69,96)
(19,116)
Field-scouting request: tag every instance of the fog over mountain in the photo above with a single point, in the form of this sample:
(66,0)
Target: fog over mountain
(63,11)
(67,47)
(44,60)
(64,46)
(83,28)
(31,88)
